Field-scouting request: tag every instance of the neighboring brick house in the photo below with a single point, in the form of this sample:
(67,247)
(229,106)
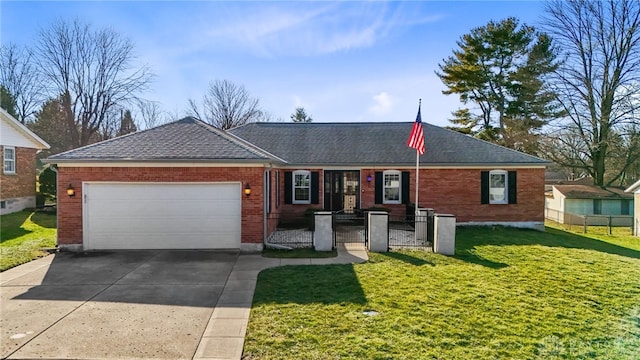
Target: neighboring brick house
(18,179)
(635,189)
(183,184)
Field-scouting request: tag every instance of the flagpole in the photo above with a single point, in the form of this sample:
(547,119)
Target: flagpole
(415,233)
(415,218)
(416,141)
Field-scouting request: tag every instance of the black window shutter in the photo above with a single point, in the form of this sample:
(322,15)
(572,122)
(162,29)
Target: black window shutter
(315,189)
(406,187)
(288,185)
(484,187)
(512,183)
(378,184)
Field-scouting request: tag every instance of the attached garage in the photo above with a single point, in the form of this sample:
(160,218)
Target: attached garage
(150,215)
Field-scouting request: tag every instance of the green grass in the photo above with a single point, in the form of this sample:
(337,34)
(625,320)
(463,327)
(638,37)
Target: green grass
(507,294)
(620,231)
(298,253)
(23,236)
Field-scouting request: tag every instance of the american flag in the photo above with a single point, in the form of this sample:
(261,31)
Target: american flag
(416,139)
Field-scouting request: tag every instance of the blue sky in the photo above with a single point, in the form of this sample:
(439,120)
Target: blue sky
(341,61)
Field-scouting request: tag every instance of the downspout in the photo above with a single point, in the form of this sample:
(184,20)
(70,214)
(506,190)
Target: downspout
(55,170)
(265,211)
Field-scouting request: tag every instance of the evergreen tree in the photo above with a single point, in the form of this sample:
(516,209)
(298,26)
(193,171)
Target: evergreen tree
(126,124)
(501,68)
(51,125)
(300,115)
(7,102)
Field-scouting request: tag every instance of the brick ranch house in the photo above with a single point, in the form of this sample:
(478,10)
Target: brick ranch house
(184,184)
(18,178)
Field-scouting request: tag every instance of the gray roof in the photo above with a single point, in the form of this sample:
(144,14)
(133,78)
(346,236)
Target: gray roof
(592,192)
(339,144)
(374,144)
(187,139)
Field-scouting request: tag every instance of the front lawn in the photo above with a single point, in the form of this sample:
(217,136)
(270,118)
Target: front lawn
(507,294)
(23,235)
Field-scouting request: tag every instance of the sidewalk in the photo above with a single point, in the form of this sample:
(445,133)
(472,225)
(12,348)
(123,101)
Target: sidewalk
(224,336)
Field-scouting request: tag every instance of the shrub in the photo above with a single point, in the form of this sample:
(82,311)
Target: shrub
(48,181)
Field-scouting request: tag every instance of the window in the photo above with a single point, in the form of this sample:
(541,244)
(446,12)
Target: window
(301,187)
(624,206)
(498,187)
(597,206)
(391,187)
(9,160)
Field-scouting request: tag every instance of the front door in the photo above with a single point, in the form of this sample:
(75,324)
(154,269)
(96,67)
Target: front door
(341,190)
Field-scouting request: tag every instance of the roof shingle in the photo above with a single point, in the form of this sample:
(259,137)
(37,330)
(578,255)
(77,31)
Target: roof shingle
(187,139)
(340,144)
(592,192)
(374,144)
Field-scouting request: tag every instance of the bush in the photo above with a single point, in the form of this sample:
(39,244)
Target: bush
(48,181)
(40,199)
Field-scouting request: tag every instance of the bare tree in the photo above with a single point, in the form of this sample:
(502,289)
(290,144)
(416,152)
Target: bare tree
(149,114)
(18,75)
(598,82)
(227,105)
(93,71)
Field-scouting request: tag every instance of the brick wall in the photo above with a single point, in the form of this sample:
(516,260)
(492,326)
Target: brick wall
(70,208)
(23,182)
(451,191)
(291,211)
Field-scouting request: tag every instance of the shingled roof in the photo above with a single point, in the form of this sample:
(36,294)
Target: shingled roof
(374,144)
(340,144)
(592,192)
(187,139)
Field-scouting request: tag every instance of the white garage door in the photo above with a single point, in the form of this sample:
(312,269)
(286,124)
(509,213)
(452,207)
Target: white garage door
(162,216)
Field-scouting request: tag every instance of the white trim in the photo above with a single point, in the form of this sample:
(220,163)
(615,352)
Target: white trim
(384,198)
(338,168)
(635,187)
(201,163)
(4,160)
(40,144)
(166,183)
(293,187)
(505,189)
(410,167)
(160,164)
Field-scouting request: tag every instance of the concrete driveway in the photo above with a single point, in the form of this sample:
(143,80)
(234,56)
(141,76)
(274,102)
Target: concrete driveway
(138,304)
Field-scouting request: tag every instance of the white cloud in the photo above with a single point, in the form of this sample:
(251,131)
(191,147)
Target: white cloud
(307,29)
(298,102)
(382,104)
